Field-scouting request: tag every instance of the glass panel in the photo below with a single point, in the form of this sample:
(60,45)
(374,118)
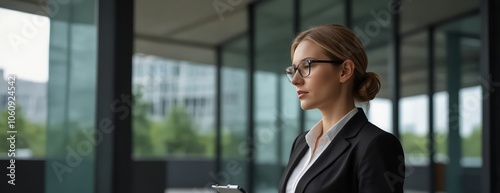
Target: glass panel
(234,112)
(266,148)
(274,129)
(321,12)
(175,44)
(380,108)
(174,117)
(26,35)
(289,116)
(69,165)
(372,23)
(459,88)
(175,103)
(414,110)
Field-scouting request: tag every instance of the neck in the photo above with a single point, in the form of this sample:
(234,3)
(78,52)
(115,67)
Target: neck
(335,112)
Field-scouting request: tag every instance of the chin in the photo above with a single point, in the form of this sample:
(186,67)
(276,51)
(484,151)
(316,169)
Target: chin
(305,106)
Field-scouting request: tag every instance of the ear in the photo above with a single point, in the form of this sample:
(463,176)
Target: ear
(347,70)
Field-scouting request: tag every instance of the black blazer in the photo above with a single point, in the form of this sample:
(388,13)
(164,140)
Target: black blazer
(361,158)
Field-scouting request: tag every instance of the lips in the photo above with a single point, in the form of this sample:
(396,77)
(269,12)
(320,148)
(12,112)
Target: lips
(302,94)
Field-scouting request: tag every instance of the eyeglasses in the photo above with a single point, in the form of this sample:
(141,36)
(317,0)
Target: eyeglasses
(304,67)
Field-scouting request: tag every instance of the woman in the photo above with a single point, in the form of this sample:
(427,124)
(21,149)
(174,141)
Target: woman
(343,152)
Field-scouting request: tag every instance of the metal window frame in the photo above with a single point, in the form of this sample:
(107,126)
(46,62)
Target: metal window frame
(113,160)
(490,56)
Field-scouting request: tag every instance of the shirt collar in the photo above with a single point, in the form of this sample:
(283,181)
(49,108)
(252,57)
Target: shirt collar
(315,132)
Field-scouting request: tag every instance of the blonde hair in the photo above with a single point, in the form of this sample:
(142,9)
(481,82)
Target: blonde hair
(341,43)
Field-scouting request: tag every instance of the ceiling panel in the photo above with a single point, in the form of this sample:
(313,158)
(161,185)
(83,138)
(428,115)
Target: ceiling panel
(417,14)
(191,24)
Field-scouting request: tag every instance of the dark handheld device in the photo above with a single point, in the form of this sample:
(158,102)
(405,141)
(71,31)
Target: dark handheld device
(229,189)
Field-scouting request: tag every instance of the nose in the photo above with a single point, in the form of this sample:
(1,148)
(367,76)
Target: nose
(297,79)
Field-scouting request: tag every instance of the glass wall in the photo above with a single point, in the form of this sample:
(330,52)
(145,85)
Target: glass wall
(174,117)
(174,85)
(273,138)
(175,102)
(234,112)
(372,21)
(414,108)
(69,164)
(459,96)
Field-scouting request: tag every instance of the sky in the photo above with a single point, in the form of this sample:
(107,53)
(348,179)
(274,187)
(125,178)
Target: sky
(24,45)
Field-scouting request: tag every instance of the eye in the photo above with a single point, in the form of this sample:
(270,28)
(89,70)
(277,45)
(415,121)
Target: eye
(306,63)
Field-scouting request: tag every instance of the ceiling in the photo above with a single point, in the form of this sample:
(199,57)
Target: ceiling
(188,29)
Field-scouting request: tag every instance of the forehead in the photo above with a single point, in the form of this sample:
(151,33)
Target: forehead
(307,49)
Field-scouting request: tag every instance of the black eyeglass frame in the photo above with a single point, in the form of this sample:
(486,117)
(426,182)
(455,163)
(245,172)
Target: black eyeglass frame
(309,62)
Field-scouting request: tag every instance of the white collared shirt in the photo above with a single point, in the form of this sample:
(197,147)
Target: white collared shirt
(311,137)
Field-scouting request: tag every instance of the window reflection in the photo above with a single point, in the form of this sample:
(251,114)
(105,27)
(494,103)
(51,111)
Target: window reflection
(234,111)
(174,108)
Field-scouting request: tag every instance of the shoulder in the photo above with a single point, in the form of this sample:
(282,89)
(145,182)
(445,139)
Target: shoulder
(370,133)
(372,139)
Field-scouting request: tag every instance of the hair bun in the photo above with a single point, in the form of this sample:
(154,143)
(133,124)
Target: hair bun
(369,87)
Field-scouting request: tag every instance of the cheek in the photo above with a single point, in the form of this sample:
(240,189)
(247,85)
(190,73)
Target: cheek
(326,89)
(326,86)
(324,79)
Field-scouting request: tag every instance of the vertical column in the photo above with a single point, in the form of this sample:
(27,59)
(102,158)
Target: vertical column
(430,85)
(348,13)
(113,170)
(296,30)
(454,63)
(279,118)
(218,112)
(394,71)
(251,87)
(490,81)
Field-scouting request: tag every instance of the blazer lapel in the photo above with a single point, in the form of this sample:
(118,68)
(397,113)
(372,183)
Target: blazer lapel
(297,155)
(337,147)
